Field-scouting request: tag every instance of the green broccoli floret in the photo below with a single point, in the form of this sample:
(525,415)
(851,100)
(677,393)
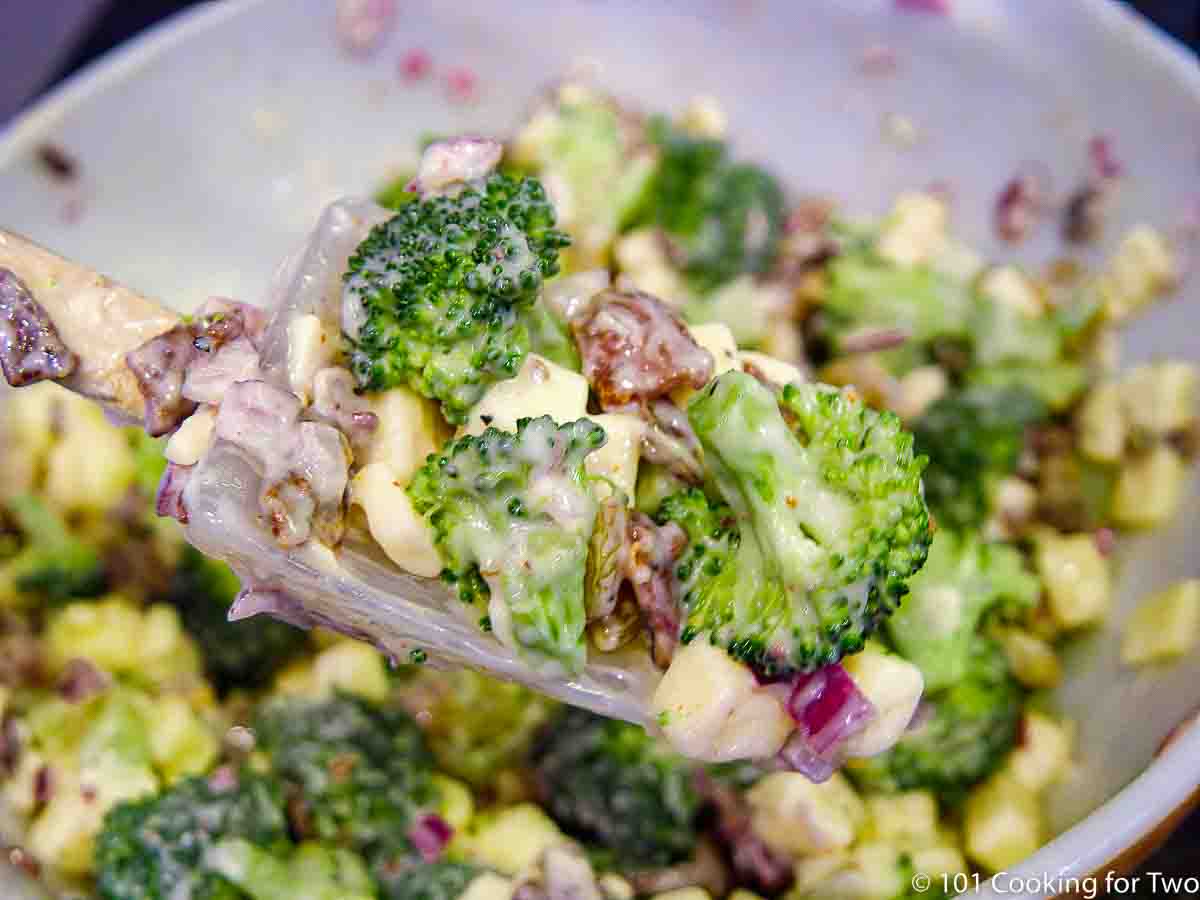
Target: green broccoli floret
(478,726)
(973,437)
(158,847)
(442,880)
(866,292)
(52,562)
(441,290)
(311,872)
(359,773)
(596,154)
(824,522)
(963,580)
(243,654)
(612,785)
(970,727)
(726,218)
(512,517)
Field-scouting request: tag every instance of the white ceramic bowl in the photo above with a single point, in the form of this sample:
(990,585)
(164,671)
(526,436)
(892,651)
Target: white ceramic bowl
(208,145)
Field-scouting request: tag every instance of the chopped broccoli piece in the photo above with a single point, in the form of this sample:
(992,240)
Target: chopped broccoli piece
(609,783)
(243,654)
(970,728)
(593,154)
(478,725)
(550,339)
(654,484)
(1055,384)
(512,516)
(725,217)
(962,581)
(868,292)
(973,437)
(158,847)
(52,563)
(442,880)
(311,872)
(440,292)
(361,772)
(825,522)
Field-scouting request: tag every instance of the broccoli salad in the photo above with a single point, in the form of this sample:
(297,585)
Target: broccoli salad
(844,486)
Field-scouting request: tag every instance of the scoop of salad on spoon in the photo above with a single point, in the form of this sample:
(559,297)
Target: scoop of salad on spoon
(431,440)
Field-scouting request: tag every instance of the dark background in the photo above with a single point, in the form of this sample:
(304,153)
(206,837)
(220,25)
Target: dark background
(114,21)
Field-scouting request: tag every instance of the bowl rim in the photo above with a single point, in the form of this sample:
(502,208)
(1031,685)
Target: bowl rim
(1089,846)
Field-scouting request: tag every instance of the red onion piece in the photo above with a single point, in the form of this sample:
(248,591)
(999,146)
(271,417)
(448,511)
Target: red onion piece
(938,7)
(415,65)
(429,835)
(828,708)
(1022,202)
(1103,160)
(362,25)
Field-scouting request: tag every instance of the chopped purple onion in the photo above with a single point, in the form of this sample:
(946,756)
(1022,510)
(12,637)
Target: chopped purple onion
(938,7)
(429,835)
(828,709)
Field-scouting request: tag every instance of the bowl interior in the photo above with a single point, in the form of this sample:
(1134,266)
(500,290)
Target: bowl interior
(209,146)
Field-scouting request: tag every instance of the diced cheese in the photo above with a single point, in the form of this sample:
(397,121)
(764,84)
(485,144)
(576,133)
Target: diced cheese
(1032,660)
(1077,578)
(918,390)
(718,340)
(409,430)
(541,388)
(893,685)
(1001,823)
(908,819)
(1164,626)
(711,707)
(771,368)
(310,349)
(618,459)
(1149,488)
(351,667)
(1160,398)
(1043,755)
(513,839)
(488,886)
(797,817)
(687,893)
(643,261)
(1009,286)
(1142,268)
(914,231)
(393,522)
(191,441)
(1101,423)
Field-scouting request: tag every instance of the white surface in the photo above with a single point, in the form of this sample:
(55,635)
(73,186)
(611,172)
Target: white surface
(209,145)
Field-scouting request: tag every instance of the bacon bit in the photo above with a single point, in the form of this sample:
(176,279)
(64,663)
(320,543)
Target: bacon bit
(1087,211)
(1022,202)
(10,745)
(752,859)
(19,858)
(362,25)
(223,779)
(43,785)
(938,7)
(341,767)
(81,680)
(1102,158)
(871,340)
(879,60)
(1106,541)
(462,85)
(415,65)
(58,163)
(88,793)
